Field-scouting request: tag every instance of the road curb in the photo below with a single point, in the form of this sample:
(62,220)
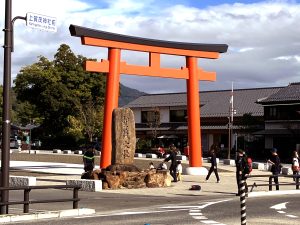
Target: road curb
(45,215)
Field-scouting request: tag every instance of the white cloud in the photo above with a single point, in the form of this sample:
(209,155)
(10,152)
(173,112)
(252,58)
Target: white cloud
(263,38)
(288,58)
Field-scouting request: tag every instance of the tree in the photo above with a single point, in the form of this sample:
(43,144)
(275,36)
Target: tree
(53,91)
(154,121)
(89,119)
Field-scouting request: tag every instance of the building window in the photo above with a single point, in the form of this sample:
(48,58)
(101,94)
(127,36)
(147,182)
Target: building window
(150,116)
(273,112)
(178,115)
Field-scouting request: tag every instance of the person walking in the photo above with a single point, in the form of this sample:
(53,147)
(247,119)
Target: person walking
(213,168)
(173,165)
(274,160)
(240,164)
(295,164)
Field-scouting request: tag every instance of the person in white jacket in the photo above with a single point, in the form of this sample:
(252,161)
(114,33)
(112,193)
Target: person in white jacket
(295,164)
(179,171)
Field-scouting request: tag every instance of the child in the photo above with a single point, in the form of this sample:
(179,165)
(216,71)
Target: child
(162,166)
(179,170)
(151,166)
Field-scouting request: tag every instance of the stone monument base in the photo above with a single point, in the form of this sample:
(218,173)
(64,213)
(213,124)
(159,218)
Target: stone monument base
(125,179)
(196,171)
(122,167)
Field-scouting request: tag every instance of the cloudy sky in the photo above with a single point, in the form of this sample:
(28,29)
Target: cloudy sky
(263,37)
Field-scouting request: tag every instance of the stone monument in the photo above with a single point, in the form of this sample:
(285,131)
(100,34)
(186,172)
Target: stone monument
(123,136)
(122,173)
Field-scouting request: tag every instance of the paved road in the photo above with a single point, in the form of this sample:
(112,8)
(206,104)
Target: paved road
(218,211)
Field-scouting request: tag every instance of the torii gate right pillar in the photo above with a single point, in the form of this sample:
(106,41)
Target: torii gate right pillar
(193,113)
(194,131)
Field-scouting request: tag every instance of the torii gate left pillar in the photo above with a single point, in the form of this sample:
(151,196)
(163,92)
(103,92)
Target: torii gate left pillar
(114,67)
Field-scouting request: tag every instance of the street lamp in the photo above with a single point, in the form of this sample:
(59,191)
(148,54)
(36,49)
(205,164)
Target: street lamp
(6,124)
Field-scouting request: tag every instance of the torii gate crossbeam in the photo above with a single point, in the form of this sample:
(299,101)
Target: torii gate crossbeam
(114,67)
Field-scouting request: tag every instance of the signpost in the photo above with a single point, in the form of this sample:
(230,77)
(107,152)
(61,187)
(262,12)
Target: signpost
(35,21)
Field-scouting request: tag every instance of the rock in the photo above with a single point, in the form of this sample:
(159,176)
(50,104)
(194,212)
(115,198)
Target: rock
(95,174)
(155,180)
(123,176)
(126,179)
(113,181)
(105,185)
(168,180)
(122,167)
(123,136)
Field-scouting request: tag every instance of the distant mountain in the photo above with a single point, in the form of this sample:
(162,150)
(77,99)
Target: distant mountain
(128,94)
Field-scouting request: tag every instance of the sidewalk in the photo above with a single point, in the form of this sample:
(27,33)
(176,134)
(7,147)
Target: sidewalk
(53,173)
(56,173)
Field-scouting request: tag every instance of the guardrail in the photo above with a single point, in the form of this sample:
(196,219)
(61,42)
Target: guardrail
(26,202)
(271,184)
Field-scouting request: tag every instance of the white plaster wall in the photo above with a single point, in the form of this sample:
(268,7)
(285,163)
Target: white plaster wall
(137,115)
(164,114)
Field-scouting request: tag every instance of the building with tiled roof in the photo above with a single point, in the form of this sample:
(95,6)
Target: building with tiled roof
(282,120)
(287,95)
(214,110)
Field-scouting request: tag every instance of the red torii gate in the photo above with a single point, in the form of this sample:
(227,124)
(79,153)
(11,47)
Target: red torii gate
(114,67)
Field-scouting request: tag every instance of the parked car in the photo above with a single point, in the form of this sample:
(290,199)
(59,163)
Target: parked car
(14,144)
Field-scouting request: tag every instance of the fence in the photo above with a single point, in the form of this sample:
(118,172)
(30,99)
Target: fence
(26,202)
(271,178)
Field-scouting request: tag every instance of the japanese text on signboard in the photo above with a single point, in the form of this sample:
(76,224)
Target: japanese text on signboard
(41,22)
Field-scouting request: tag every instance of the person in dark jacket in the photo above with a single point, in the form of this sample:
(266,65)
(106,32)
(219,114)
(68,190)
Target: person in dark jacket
(173,165)
(240,164)
(213,153)
(89,159)
(274,160)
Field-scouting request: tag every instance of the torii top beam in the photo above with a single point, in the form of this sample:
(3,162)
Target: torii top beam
(154,47)
(164,47)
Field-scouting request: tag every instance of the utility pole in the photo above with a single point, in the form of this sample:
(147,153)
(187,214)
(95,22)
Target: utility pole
(6,124)
(230,121)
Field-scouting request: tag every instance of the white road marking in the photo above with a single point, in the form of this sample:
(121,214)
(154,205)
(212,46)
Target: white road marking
(281,212)
(195,210)
(292,216)
(212,203)
(210,222)
(204,219)
(280,206)
(200,217)
(195,213)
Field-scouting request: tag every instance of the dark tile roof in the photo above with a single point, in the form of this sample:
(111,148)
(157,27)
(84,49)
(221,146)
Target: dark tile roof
(291,93)
(213,103)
